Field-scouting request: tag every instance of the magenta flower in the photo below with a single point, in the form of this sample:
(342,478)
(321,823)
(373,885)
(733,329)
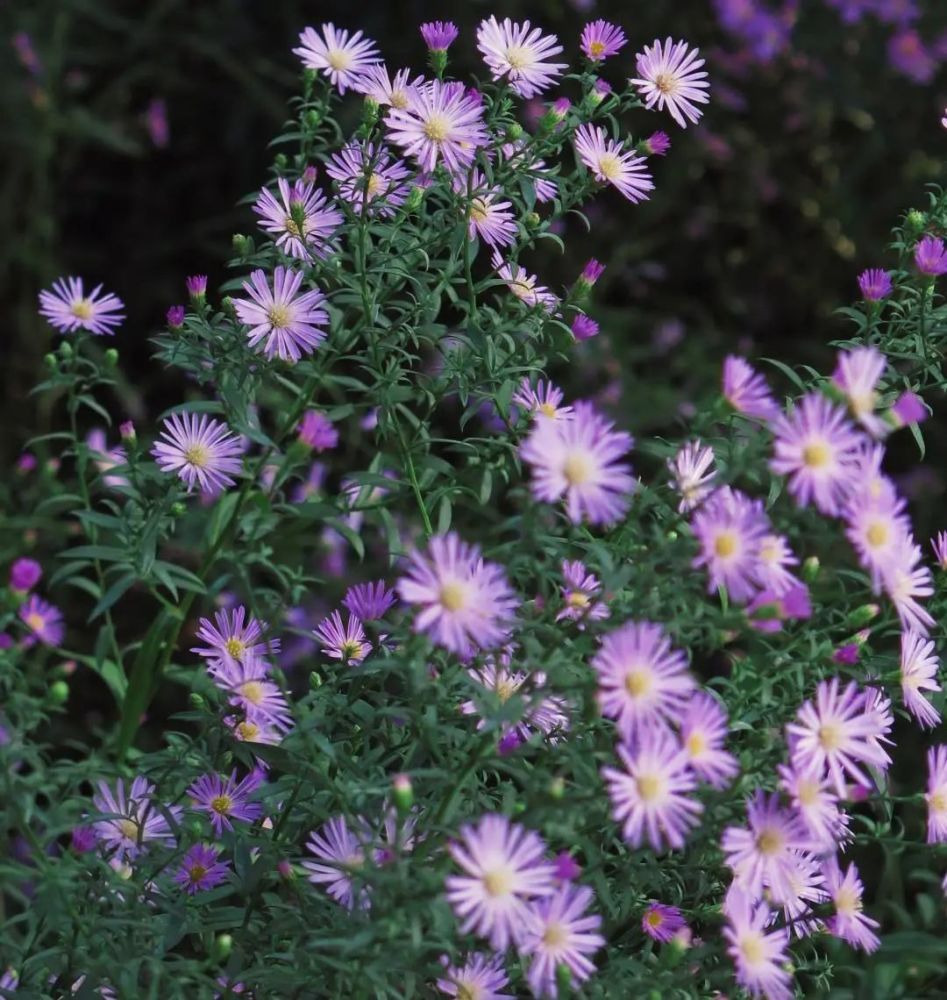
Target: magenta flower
(439,35)
(545,400)
(479,977)
(504,867)
(369,177)
(130,822)
(760,956)
(464,602)
(442,123)
(68,308)
(520,53)
(579,461)
(601,40)
(662,922)
(523,284)
(657,144)
(302,221)
(651,796)
(200,450)
(343,642)
(340,858)
(283,323)
(670,76)
(580,595)
(316,431)
(196,285)
(584,327)
(369,601)
(703,734)
(25,573)
(730,528)
(230,642)
(561,934)
(338,55)
(908,408)
(936,796)
(747,391)
(875,284)
(200,870)
(611,163)
(930,257)
(226,799)
(848,921)
(693,474)
(44,621)
(175,317)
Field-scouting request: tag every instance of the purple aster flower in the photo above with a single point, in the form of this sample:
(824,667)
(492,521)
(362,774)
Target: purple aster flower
(82,839)
(504,867)
(68,308)
(875,284)
(43,620)
(939,547)
(479,978)
(611,163)
(703,734)
(670,76)
(693,473)
(930,257)
(818,448)
(283,323)
(439,35)
(343,642)
(9,979)
(523,284)
(936,795)
(464,602)
(302,221)
(340,858)
(566,867)
(905,579)
(878,528)
(848,922)
(520,53)
(202,451)
(369,601)
(200,870)
(134,820)
(811,795)
(442,123)
(657,144)
(746,390)
(397,91)
(662,922)
(651,795)
(316,431)
(226,799)
(175,317)
(340,56)
(908,408)
(248,688)
(760,956)
(231,642)
(25,573)
(561,934)
(592,271)
(600,40)
(579,461)
(768,610)
(584,327)
(773,558)
(369,178)
(543,401)
(579,595)
(196,285)
(908,54)
(489,216)
(247,731)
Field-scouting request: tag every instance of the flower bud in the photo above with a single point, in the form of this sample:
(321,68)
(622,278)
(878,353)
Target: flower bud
(915,219)
(111,357)
(127,430)
(863,615)
(223,945)
(51,362)
(196,286)
(557,788)
(810,569)
(59,692)
(196,700)
(514,132)
(280,161)
(402,792)
(175,317)
(413,202)
(532,220)
(241,244)
(65,350)
(315,679)
(285,868)
(178,509)
(312,118)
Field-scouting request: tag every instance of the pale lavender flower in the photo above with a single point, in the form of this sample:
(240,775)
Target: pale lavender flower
(302,220)
(247,688)
(283,323)
(730,528)
(388,91)
(611,163)
(704,731)
(68,308)
(747,391)
(811,795)
(542,401)
(580,595)
(490,216)
(338,55)
(939,546)
(523,284)
(670,76)
(905,579)
(106,458)
(760,956)
(479,978)
(857,374)
(600,40)
(520,53)
(134,820)
(936,796)
(233,639)
(340,857)
(226,799)
(848,921)
(44,620)
(369,177)
(773,558)
(693,473)
(343,642)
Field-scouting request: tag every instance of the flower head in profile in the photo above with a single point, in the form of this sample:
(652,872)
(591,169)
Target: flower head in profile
(670,76)
(44,621)
(389,91)
(340,857)
(601,40)
(662,922)
(523,284)
(200,870)
(747,391)
(760,955)
(936,795)
(919,666)
(939,548)
(905,579)
(611,163)
(580,595)
(875,284)
(226,799)
(848,921)
(730,528)
(693,474)
(68,308)
(343,642)
(337,54)
(463,602)
(703,734)
(504,867)
(439,36)
(584,327)
(561,933)
(283,323)
(930,257)
(520,53)
(580,461)
(301,220)
(202,451)
(479,978)
(369,177)
(132,820)
(652,795)
(369,601)
(543,401)
(233,638)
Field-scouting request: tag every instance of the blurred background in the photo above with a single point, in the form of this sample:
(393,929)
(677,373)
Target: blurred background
(131,130)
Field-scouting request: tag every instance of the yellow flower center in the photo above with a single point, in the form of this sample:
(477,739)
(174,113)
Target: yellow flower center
(666,83)
(596,49)
(505,689)
(221,804)
(350,649)
(556,936)
(35,621)
(808,792)
(769,550)
(292,227)
(519,57)
(578,468)
(453,595)
(375,185)
(339,60)
(399,99)
(546,409)
(649,787)
(830,736)
(437,128)
(609,166)
(877,534)
(725,544)
(279,317)
(129,829)
(817,455)
(654,919)
(696,743)
(252,691)
(752,949)
(82,309)
(577,599)
(468,991)
(197,455)
(847,902)
(638,682)
(235,647)
(769,841)
(937,801)
(498,882)
(196,872)
(478,210)
(247,731)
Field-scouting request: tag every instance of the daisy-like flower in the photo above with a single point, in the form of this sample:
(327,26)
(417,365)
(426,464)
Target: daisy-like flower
(816,804)
(670,76)
(773,556)
(442,123)
(806,883)
(341,856)
(504,867)
(703,733)
(545,400)
(878,529)
(747,391)
(611,163)
(248,689)
(133,820)
(338,55)
(226,799)
(579,461)
(369,601)
(233,638)
(730,528)
(202,451)
(930,257)
(760,956)
(651,796)
(200,870)
(389,91)
(848,922)
(763,853)
(936,796)
(489,216)
(919,666)
(44,621)
(600,40)
(693,473)
(68,308)
(343,642)
(464,602)
(369,176)
(439,36)
(905,579)
(561,933)
(479,978)
(818,448)
(579,595)
(875,284)
(317,431)
(282,323)
(642,679)
(857,374)
(662,922)
(254,732)
(839,732)
(520,53)
(302,221)
(939,548)
(523,284)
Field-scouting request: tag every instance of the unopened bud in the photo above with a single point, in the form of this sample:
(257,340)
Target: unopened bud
(315,680)
(915,219)
(127,430)
(59,692)
(557,788)
(111,357)
(402,792)
(810,569)
(863,615)
(178,509)
(280,161)
(414,199)
(532,220)
(196,700)
(240,244)
(51,361)
(514,132)
(65,349)
(223,945)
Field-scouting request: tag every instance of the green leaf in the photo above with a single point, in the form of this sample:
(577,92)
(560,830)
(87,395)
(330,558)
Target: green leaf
(112,594)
